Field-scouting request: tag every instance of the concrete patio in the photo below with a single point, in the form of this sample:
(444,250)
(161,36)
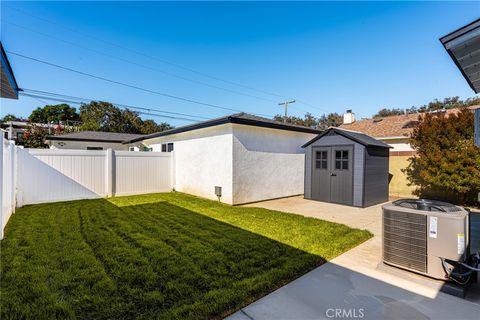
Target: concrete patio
(355,284)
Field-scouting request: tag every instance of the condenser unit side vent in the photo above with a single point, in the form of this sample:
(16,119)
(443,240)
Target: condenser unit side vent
(405,239)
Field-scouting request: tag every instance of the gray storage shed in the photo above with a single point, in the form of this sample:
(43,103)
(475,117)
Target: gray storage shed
(346,167)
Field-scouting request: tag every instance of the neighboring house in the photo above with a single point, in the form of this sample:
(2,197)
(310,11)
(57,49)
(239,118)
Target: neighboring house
(95,140)
(250,158)
(13,130)
(395,131)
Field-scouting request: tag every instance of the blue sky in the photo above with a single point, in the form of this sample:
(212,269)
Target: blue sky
(330,56)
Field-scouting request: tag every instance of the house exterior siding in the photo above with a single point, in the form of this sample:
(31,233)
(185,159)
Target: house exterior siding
(202,160)
(250,163)
(267,163)
(82,145)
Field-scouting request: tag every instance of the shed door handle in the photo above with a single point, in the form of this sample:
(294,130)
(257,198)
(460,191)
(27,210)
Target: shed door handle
(333,174)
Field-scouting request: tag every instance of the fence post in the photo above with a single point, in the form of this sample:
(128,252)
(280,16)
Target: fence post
(172,170)
(1,184)
(109,172)
(13,160)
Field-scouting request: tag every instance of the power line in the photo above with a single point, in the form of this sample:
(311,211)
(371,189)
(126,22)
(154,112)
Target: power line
(139,64)
(127,85)
(81,102)
(39,92)
(176,65)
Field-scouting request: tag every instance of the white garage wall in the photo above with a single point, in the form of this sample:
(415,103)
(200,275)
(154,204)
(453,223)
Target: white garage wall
(267,163)
(202,160)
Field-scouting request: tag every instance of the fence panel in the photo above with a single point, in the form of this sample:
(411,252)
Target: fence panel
(58,175)
(142,172)
(7,181)
(49,175)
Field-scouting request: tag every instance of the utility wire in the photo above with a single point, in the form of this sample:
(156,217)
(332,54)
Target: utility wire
(80,102)
(176,65)
(127,85)
(39,92)
(139,64)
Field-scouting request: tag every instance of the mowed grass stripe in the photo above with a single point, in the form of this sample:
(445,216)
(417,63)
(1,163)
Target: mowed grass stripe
(162,256)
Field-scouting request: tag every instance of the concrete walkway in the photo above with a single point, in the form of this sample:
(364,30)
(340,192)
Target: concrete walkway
(352,286)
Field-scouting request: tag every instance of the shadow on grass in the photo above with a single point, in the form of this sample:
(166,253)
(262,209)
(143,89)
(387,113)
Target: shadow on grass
(91,259)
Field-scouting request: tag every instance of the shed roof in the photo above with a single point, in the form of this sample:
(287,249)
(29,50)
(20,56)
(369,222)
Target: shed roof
(9,88)
(239,118)
(463,46)
(94,136)
(352,135)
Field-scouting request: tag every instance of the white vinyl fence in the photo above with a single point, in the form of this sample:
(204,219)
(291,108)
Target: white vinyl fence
(7,181)
(47,175)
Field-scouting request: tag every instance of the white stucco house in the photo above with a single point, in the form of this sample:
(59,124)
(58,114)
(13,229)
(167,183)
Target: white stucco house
(94,140)
(250,158)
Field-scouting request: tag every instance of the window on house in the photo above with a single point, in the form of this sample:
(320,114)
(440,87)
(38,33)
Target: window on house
(341,160)
(167,147)
(19,136)
(131,148)
(94,148)
(321,161)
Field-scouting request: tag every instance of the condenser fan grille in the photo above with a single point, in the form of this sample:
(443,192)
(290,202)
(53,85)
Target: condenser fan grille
(405,239)
(427,205)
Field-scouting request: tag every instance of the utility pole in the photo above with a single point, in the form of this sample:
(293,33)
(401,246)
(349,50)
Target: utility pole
(286,103)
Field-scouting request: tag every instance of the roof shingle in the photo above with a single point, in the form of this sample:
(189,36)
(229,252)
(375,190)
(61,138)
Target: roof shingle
(393,126)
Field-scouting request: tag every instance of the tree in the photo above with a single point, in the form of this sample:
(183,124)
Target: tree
(446,157)
(10,117)
(330,120)
(59,113)
(34,137)
(385,112)
(149,126)
(322,123)
(104,116)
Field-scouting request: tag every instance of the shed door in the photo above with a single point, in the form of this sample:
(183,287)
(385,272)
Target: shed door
(332,174)
(321,174)
(341,182)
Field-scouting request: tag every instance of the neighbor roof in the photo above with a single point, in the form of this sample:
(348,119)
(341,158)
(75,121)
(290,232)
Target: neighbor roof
(392,126)
(352,135)
(239,118)
(463,46)
(9,88)
(95,136)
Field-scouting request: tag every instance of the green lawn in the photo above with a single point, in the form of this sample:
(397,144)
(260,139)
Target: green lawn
(162,256)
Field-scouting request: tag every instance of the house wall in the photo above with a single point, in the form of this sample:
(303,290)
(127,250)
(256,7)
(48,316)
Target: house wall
(358,164)
(267,163)
(202,160)
(82,145)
